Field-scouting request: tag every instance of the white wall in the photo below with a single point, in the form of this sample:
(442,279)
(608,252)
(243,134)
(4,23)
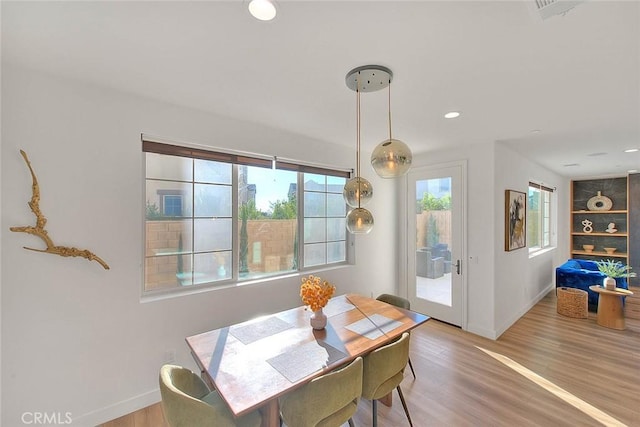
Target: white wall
(76,338)
(521,280)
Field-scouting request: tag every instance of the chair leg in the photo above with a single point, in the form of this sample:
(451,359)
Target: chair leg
(374,404)
(351,422)
(412,371)
(404,405)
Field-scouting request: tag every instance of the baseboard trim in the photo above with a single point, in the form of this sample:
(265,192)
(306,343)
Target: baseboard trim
(486,333)
(524,310)
(118,410)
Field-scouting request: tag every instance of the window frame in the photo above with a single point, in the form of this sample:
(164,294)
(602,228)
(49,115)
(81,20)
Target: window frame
(546,204)
(236,159)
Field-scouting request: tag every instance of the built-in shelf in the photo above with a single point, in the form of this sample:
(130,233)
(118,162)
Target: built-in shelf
(600,212)
(602,254)
(615,189)
(599,234)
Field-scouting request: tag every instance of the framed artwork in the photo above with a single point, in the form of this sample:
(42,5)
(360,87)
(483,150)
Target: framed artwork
(515,235)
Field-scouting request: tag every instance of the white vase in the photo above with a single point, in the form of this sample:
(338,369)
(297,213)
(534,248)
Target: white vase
(609,283)
(318,320)
(599,203)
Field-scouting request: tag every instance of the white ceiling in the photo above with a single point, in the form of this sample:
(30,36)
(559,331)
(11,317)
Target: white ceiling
(575,78)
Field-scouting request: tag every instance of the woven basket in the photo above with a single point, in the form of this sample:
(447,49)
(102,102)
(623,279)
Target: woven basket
(572,302)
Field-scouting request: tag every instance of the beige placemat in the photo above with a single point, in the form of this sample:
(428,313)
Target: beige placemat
(374,326)
(305,360)
(247,334)
(337,307)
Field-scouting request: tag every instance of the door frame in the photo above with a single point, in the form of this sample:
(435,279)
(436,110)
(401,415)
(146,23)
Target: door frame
(403,252)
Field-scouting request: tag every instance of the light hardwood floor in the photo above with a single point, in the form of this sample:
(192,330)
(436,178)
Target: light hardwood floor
(596,370)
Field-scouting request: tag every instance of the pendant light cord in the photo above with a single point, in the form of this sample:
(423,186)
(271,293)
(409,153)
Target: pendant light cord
(389,109)
(358,123)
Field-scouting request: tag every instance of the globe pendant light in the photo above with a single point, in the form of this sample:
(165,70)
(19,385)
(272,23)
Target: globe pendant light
(359,221)
(358,191)
(392,157)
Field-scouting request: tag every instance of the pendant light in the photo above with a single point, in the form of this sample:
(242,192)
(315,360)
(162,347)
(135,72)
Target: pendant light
(358,190)
(392,157)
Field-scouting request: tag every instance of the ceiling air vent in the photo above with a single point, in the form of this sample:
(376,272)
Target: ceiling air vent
(545,9)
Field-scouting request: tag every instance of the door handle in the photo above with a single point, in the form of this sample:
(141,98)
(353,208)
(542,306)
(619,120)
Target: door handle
(458,265)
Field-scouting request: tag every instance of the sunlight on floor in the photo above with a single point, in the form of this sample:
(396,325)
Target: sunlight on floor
(574,401)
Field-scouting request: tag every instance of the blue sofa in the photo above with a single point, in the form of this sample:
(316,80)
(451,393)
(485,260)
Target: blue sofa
(580,274)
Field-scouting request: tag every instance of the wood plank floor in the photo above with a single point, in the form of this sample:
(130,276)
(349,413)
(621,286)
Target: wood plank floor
(596,369)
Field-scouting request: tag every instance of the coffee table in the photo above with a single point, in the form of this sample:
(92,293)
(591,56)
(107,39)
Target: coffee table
(610,309)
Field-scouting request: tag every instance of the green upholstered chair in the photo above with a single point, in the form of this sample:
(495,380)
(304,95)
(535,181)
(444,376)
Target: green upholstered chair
(402,303)
(327,401)
(383,371)
(188,402)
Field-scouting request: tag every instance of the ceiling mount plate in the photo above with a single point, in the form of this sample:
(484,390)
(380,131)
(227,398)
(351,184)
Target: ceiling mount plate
(369,78)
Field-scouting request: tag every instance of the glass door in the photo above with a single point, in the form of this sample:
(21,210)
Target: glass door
(435,242)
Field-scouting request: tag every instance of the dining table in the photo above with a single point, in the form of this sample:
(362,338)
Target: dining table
(251,364)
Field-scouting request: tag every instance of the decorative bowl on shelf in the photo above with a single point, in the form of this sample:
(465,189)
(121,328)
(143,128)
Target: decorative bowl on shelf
(610,251)
(588,248)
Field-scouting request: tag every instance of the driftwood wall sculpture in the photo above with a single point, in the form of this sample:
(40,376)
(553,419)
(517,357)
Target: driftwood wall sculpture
(41,221)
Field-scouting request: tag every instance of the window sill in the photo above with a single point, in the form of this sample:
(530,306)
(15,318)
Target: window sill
(160,295)
(539,252)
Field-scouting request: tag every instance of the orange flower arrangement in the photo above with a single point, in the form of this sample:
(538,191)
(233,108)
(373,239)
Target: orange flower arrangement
(316,292)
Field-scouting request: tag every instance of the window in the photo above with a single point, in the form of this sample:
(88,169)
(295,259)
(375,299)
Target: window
(268,222)
(217,219)
(325,232)
(539,217)
(173,205)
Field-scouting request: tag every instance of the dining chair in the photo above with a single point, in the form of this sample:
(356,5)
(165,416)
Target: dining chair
(327,401)
(188,402)
(402,303)
(383,370)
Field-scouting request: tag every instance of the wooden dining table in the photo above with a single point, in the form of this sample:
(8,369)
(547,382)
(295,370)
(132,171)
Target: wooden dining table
(252,364)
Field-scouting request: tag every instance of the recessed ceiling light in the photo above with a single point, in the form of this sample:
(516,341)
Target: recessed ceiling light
(536,131)
(632,150)
(632,171)
(597,154)
(263,10)
(452,115)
